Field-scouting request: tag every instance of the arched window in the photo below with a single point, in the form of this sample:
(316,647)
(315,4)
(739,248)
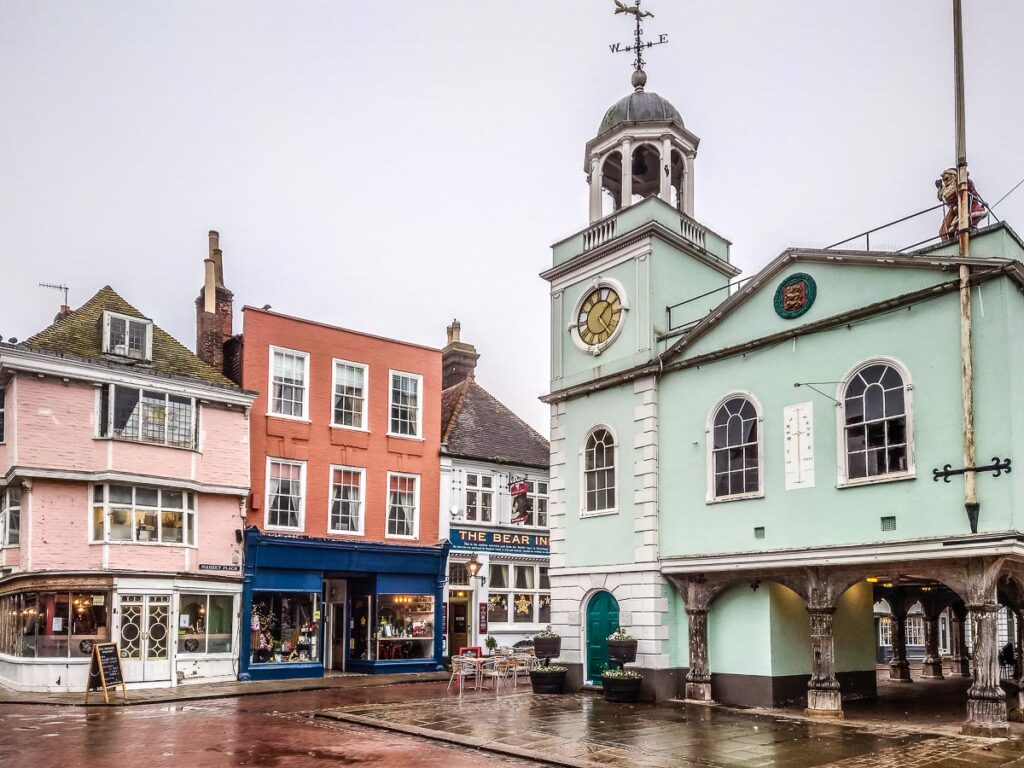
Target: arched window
(599,472)
(876,422)
(735,449)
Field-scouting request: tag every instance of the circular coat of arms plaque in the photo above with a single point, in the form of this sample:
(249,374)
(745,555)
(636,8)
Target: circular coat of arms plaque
(795,295)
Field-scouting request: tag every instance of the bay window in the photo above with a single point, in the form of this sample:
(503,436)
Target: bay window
(61,624)
(124,513)
(148,416)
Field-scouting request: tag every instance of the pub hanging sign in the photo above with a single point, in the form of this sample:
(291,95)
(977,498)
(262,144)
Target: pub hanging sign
(503,542)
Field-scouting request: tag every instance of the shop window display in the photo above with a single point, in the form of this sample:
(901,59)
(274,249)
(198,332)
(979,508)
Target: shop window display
(204,623)
(53,624)
(518,594)
(285,627)
(405,627)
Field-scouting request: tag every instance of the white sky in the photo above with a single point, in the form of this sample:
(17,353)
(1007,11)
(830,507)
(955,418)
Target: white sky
(386,166)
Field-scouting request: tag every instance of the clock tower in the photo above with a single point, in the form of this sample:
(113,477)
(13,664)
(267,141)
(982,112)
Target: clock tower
(622,290)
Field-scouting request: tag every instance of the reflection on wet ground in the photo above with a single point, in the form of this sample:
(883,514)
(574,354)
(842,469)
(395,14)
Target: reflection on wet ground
(582,729)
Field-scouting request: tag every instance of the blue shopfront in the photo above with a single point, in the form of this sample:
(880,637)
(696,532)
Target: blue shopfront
(316,605)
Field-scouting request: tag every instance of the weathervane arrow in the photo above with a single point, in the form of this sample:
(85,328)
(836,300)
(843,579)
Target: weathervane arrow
(638,38)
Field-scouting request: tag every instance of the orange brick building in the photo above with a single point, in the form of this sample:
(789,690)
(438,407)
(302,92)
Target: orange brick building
(343,565)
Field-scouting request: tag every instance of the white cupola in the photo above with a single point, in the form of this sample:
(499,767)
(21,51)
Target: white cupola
(642,149)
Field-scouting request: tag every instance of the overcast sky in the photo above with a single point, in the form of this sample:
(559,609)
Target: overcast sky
(387,166)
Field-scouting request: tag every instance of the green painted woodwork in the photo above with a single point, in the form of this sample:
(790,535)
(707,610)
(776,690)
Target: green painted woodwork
(602,620)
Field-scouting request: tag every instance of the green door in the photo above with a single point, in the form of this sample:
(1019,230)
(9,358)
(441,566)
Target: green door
(602,620)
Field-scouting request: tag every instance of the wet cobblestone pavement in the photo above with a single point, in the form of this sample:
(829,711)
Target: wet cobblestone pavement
(584,730)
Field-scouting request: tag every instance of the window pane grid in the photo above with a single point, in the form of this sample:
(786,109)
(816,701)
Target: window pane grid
(284,503)
(735,454)
(349,395)
(141,515)
(346,500)
(404,405)
(402,506)
(876,423)
(599,471)
(288,384)
(148,417)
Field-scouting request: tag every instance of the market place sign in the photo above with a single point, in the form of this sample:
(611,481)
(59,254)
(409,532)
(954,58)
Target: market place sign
(504,542)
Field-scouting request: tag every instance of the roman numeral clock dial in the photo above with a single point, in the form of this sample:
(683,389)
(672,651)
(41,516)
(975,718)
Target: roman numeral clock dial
(599,316)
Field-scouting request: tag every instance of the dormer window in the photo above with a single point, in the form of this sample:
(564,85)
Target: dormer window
(127,336)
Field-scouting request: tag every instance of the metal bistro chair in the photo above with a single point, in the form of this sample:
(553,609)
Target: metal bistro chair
(519,664)
(462,667)
(497,669)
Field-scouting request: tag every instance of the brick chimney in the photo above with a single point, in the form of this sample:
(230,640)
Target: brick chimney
(214,309)
(458,359)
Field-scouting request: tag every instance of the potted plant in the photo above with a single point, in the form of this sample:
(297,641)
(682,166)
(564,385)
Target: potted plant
(621,685)
(621,647)
(492,644)
(550,679)
(547,645)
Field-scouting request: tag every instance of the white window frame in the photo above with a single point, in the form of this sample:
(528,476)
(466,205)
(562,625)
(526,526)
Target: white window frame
(709,432)
(885,631)
(583,473)
(913,629)
(206,654)
(108,315)
(416,507)
(302,495)
(533,496)
(360,531)
(511,591)
(842,458)
(5,516)
(419,406)
(106,431)
(335,362)
(305,384)
(480,490)
(189,516)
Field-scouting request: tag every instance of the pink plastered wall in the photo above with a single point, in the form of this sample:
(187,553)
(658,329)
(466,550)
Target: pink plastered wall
(60,519)
(57,430)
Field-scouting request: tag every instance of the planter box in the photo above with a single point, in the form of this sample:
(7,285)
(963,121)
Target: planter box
(623,691)
(622,651)
(547,647)
(547,682)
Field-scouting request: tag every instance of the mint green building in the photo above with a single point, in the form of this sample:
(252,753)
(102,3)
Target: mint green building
(738,474)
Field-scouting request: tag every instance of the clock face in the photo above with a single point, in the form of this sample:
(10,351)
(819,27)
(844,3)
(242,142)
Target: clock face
(599,316)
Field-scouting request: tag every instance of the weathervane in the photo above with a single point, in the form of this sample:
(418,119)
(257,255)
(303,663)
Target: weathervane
(638,39)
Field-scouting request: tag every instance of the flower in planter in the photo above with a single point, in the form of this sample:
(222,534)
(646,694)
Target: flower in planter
(620,635)
(546,634)
(553,670)
(621,674)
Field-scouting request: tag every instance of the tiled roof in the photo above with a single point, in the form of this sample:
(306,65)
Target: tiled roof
(80,333)
(475,425)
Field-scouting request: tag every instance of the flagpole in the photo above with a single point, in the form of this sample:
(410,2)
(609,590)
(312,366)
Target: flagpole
(971,504)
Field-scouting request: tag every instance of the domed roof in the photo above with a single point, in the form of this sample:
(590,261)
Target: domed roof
(639,107)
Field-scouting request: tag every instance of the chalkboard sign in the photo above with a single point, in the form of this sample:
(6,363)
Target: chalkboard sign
(105,671)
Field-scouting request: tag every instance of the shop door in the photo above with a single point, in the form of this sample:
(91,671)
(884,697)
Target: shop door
(458,626)
(338,636)
(145,637)
(602,620)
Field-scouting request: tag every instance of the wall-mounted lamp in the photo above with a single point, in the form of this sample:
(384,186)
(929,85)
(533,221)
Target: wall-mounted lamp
(473,566)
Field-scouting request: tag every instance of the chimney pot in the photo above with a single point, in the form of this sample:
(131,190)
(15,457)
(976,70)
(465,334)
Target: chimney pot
(454,332)
(214,241)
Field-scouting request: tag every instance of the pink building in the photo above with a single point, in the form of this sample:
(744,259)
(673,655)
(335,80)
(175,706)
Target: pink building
(124,468)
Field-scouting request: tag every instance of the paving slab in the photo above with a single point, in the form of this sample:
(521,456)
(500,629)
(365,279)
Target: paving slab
(584,731)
